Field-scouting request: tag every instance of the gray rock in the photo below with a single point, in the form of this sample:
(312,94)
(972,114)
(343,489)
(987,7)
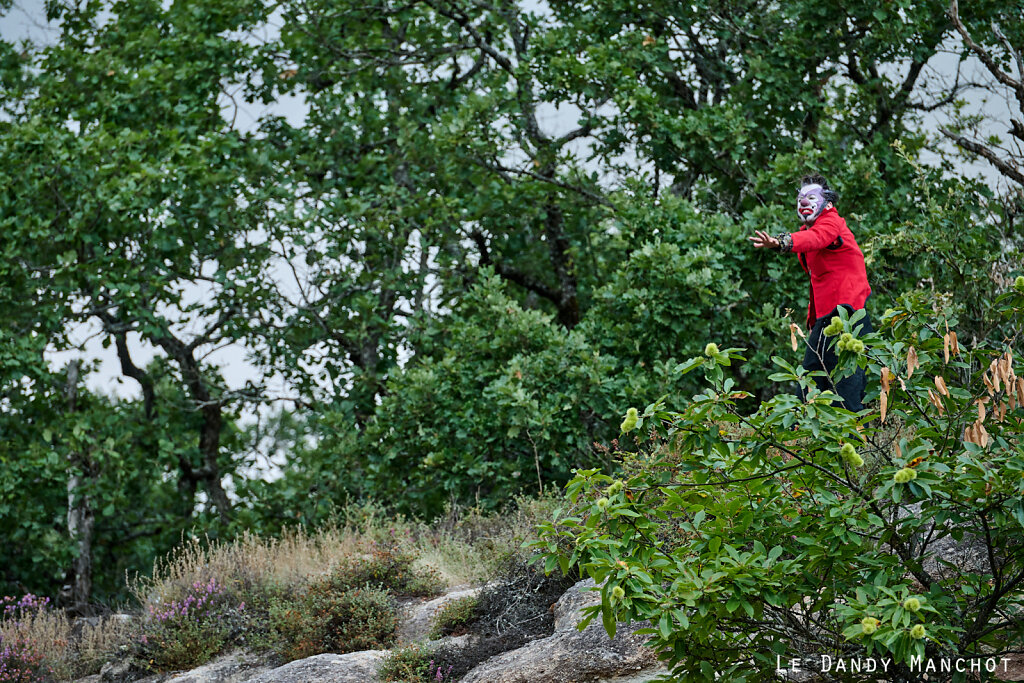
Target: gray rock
(122,671)
(969,554)
(418,618)
(354,667)
(567,609)
(573,656)
(233,667)
(643,677)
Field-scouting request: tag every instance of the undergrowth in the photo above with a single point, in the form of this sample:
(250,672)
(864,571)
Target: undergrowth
(331,589)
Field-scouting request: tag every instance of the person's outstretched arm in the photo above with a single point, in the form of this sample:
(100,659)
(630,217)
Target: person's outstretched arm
(763,240)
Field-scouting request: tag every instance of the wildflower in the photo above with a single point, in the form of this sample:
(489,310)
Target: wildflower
(905,475)
(869,625)
(618,593)
(911,604)
(629,423)
(711,350)
(918,632)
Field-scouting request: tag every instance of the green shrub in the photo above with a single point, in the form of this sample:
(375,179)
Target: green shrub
(20,662)
(454,616)
(185,632)
(413,664)
(324,619)
(388,568)
(750,536)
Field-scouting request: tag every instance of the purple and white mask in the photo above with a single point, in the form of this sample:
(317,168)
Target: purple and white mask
(810,202)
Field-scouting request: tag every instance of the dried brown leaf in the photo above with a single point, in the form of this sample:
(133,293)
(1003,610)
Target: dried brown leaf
(940,384)
(886,378)
(884,400)
(912,362)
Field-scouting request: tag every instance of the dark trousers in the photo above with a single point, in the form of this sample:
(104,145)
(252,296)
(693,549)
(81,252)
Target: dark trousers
(821,355)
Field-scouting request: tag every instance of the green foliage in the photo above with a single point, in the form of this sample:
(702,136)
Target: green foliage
(746,535)
(387,568)
(460,297)
(454,616)
(413,664)
(185,632)
(20,662)
(327,620)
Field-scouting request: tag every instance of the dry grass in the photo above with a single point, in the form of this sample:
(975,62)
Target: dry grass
(247,561)
(465,546)
(64,652)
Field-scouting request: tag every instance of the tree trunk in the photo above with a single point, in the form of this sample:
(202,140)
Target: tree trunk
(81,518)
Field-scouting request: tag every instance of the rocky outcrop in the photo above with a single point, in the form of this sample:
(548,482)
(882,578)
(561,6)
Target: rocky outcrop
(567,656)
(355,667)
(945,556)
(235,667)
(418,617)
(573,656)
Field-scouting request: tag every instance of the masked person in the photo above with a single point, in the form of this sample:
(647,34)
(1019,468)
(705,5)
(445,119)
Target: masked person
(829,254)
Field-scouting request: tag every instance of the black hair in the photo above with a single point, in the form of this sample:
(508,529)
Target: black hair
(827,192)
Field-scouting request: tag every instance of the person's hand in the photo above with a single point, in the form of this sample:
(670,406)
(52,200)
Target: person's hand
(762,240)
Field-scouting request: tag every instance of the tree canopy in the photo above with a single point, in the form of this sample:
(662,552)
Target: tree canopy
(489,229)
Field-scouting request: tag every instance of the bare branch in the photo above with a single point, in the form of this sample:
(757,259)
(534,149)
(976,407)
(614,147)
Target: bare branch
(983,54)
(1009,169)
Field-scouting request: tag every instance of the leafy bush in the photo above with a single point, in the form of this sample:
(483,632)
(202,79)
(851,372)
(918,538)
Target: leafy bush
(454,616)
(413,664)
(324,619)
(185,632)
(388,568)
(20,662)
(802,529)
(22,642)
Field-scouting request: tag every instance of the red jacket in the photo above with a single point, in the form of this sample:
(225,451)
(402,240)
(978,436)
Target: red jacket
(830,255)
